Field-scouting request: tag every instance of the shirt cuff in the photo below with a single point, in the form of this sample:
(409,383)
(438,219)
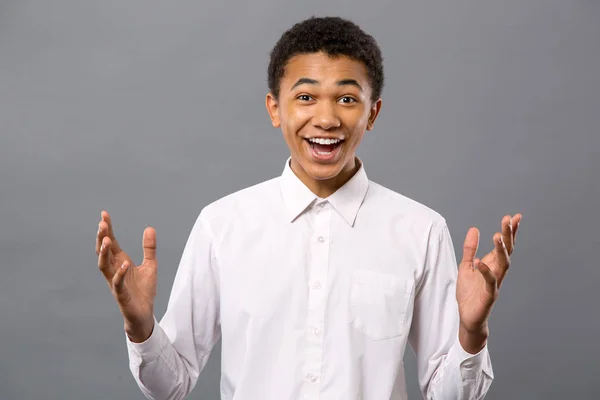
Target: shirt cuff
(150,349)
(470,364)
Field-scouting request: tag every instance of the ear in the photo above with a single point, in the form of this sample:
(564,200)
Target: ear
(273,109)
(373,113)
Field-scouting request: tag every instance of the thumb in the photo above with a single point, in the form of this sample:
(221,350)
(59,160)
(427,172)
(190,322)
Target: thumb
(470,246)
(149,245)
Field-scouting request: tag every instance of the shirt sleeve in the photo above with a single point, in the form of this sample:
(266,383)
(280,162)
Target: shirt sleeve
(168,363)
(445,369)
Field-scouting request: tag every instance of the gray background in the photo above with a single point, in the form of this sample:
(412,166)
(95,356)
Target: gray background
(153,109)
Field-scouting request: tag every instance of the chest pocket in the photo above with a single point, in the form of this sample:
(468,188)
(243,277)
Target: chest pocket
(379,303)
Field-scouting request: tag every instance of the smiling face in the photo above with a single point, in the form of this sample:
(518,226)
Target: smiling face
(323,110)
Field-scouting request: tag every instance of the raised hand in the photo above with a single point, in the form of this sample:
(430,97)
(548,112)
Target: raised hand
(479,280)
(133,287)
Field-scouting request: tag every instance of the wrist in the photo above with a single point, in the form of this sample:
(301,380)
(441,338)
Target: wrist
(473,340)
(139,332)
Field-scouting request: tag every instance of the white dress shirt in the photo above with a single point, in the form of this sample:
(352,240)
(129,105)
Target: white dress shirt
(313,299)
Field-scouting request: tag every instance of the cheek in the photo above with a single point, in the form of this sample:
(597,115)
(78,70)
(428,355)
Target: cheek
(356,139)
(363,120)
(356,123)
(355,118)
(290,128)
(295,117)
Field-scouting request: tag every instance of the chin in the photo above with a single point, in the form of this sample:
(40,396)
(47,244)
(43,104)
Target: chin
(321,172)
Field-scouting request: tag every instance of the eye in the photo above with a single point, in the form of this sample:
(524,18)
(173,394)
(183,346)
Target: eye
(304,97)
(348,100)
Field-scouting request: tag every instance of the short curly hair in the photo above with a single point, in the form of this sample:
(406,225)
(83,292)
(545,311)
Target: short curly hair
(334,36)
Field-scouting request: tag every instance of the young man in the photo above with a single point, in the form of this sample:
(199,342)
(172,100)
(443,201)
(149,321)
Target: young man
(317,279)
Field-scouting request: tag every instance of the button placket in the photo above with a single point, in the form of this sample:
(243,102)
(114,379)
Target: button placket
(317,298)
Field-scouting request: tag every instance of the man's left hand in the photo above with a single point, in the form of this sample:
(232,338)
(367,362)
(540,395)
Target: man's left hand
(479,280)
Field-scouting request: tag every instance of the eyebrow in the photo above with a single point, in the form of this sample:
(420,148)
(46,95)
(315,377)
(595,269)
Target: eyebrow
(343,82)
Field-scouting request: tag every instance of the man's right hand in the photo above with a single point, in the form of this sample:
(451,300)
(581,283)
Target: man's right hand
(134,287)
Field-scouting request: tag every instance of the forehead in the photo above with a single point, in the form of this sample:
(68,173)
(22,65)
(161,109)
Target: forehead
(325,69)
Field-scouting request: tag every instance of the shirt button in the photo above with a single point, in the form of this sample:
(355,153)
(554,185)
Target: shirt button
(316,331)
(321,239)
(311,378)
(317,285)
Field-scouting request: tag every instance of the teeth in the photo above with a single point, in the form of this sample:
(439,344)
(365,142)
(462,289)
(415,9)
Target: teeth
(324,141)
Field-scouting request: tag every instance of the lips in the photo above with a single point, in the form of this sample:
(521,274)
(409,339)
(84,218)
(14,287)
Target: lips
(323,152)
(324,148)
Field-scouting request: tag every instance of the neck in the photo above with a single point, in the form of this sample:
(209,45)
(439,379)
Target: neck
(326,187)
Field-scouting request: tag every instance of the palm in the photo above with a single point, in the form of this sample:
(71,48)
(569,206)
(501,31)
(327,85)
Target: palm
(472,293)
(139,287)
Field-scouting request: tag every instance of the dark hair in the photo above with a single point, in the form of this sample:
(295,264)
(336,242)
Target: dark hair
(334,36)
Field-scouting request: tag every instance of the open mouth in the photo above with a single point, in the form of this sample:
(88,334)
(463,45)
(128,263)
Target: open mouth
(324,148)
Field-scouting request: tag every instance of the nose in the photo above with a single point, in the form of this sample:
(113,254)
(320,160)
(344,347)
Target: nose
(326,116)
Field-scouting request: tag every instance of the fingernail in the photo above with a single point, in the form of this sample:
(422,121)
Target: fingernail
(502,241)
(101,248)
(123,266)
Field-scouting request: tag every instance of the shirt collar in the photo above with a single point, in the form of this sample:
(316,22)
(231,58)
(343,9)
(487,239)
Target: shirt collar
(346,200)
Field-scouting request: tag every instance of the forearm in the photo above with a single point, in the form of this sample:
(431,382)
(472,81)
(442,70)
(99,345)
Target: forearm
(462,375)
(159,370)
(453,363)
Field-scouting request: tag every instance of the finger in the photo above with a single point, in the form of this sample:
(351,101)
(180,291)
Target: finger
(110,232)
(149,245)
(516,220)
(488,276)
(102,229)
(104,259)
(502,257)
(118,280)
(470,246)
(507,234)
